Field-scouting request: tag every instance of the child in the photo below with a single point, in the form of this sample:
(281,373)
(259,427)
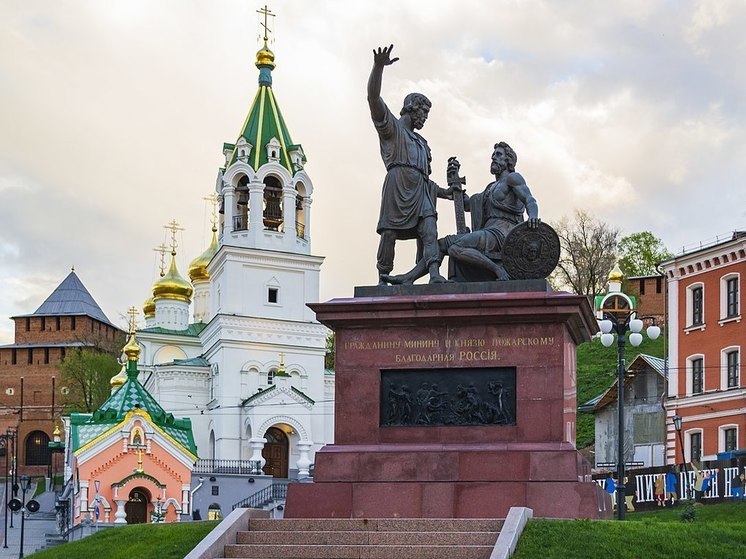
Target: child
(660,490)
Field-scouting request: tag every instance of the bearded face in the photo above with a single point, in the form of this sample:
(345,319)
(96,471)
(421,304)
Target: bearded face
(499,161)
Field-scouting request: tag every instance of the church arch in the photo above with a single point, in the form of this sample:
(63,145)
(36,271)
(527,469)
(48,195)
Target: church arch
(167,354)
(287,420)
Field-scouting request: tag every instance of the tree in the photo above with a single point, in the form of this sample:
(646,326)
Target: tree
(87,373)
(640,252)
(587,253)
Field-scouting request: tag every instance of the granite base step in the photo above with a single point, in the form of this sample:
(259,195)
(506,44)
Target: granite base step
(400,538)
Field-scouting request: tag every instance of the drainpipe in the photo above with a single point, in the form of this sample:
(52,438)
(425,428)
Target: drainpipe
(192,492)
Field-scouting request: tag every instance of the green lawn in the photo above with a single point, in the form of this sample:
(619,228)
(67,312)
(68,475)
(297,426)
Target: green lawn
(719,532)
(164,541)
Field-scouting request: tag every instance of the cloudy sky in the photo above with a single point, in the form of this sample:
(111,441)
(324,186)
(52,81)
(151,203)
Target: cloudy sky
(113,114)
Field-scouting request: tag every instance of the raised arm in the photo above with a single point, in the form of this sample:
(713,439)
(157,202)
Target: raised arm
(381,58)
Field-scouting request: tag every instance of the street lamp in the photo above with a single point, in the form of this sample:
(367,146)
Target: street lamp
(25,480)
(621,325)
(677,425)
(7,442)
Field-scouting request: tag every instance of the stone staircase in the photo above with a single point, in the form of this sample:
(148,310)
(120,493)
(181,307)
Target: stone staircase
(399,538)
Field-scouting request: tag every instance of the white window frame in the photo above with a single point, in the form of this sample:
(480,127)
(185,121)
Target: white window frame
(690,305)
(690,374)
(724,297)
(724,366)
(688,443)
(721,435)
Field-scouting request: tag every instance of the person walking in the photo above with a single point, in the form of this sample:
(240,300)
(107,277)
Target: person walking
(671,484)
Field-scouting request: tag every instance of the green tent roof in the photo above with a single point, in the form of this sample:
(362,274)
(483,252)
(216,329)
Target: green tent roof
(263,123)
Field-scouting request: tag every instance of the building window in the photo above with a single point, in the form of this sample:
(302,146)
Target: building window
(30,356)
(46,356)
(272,294)
(642,286)
(271,376)
(697,306)
(658,284)
(698,375)
(731,307)
(28,324)
(37,449)
(695,446)
(732,368)
(56,322)
(43,323)
(13,357)
(216,490)
(731,439)
(72,323)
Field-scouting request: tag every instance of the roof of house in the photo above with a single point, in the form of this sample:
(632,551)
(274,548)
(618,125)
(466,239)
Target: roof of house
(639,363)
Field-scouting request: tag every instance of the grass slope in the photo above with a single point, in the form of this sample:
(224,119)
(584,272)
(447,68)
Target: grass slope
(596,373)
(718,533)
(164,541)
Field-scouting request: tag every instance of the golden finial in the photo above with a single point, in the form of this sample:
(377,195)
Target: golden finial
(213,199)
(174,228)
(616,274)
(281,368)
(132,349)
(119,379)
(162,249)
(56,432)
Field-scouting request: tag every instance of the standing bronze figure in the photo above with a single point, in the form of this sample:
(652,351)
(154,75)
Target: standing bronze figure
(408,197)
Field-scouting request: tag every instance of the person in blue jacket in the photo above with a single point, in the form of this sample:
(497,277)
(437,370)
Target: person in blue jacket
(671,484)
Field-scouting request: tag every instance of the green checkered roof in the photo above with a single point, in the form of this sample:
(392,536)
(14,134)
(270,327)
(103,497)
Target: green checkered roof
(132,395)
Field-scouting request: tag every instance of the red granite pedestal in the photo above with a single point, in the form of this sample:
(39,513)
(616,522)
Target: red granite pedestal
(454,471)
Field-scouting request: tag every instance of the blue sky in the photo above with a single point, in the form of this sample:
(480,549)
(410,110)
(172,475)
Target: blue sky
(113,115)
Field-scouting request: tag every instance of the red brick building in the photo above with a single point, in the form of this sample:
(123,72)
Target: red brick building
(649,295)
(705,335)
(31,392)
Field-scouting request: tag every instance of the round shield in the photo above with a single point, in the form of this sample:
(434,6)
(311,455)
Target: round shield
(32,506)
(531,253)
(15,505)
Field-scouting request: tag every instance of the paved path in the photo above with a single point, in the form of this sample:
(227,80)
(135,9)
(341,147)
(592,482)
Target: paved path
(34,530)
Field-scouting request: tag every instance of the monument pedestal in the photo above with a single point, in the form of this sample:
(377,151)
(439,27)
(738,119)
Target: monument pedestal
(454,404)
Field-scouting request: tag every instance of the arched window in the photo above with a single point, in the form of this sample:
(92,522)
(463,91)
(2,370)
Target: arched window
(272,204)
(213,512)
(37,449)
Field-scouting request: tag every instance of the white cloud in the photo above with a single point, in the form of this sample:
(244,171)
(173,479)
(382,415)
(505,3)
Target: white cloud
(113,117)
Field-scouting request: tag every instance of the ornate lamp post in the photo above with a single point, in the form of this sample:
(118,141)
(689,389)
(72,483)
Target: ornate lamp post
(621,323)
(7,444)
(685,487)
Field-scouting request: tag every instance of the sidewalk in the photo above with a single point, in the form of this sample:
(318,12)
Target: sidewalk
(35,528)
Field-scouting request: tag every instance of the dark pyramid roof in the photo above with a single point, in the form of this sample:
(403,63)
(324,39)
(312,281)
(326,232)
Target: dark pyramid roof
(71,298)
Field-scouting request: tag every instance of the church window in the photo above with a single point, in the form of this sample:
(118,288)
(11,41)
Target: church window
(271,376)
(272,293)
(272,204)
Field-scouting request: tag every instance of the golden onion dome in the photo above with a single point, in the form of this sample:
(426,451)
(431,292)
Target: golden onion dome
(616,274)
(132,349)
(265,57)
(119,379)
(172,285)
(198,266)
(148,307)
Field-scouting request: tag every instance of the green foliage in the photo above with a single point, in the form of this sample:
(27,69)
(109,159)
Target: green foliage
(164,541)
(597,371)
(689,514)
(640,252)
(87,373)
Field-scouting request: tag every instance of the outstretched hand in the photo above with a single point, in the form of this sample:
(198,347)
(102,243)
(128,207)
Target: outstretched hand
(382,56)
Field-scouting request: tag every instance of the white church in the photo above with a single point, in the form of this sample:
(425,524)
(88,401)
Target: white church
(246,365)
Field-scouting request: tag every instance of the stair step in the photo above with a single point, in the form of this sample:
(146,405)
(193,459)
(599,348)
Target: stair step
(358,551)
(359,537)
(377,524)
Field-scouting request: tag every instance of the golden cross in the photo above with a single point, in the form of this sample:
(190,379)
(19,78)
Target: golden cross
(163,249)
(213,199)
(281,368)
(132,311)
(139,460)
(265,12)
(174,227)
